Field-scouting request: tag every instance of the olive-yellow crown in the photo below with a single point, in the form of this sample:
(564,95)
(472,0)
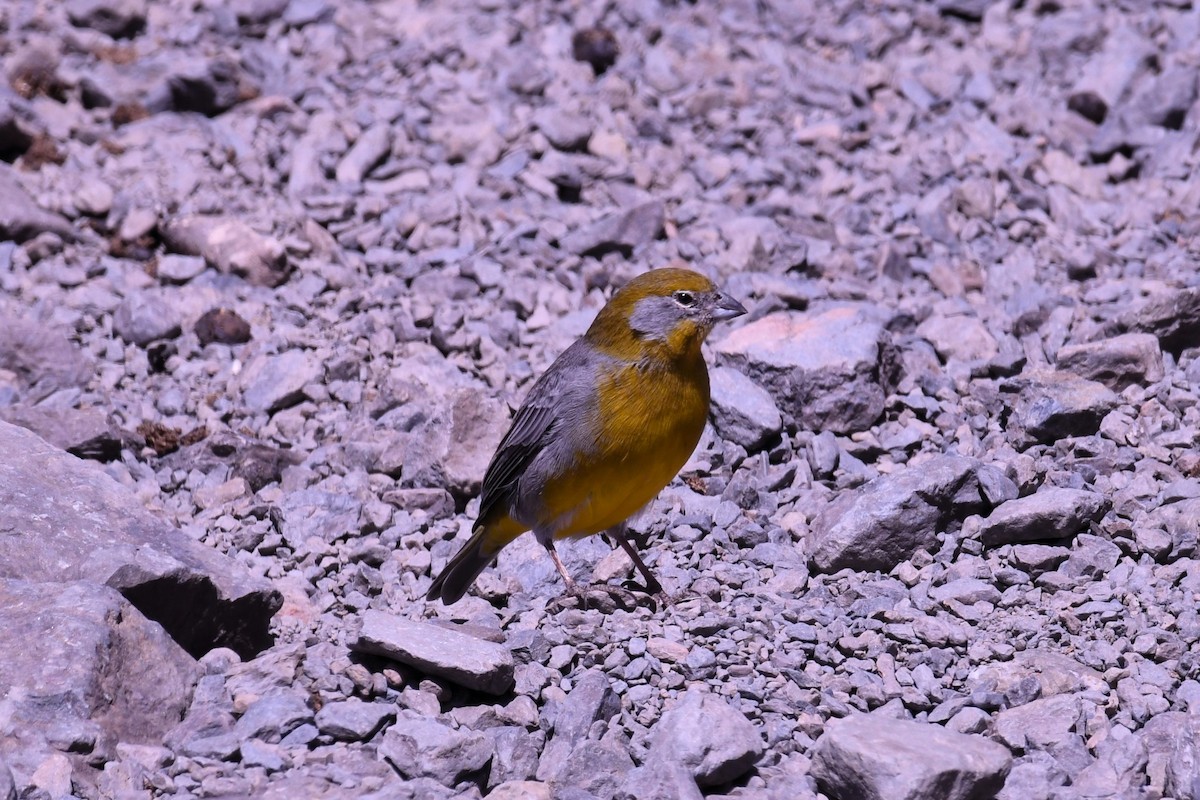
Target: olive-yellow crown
(664,312)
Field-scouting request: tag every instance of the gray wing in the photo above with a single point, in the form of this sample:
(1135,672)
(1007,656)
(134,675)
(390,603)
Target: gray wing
(553,401)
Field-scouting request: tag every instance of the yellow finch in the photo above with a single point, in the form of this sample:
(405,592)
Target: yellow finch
(607,426)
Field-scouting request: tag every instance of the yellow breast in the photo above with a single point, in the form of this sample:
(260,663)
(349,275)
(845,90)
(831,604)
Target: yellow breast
(649,421)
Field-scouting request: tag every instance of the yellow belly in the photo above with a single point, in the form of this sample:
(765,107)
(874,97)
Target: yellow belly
(651,427)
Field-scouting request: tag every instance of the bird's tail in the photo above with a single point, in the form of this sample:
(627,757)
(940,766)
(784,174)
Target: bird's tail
(462,570)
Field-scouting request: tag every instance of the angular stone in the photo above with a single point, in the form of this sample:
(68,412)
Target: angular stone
(272,382)
(1092,557)
(354,720)
(66,519)
(1039,724)
(743,412)
(966,590)
(146,316)
(20,217)
(962,337)
(173,268)
(1107,75)
(371,148)
(591,700)
(1052,673)
(521,790)
(1055,405)
(41,357)
(883,523)
(621,231)
(1173,317)
(116,18)
(1132,358)
(660,780)
(827,371)
(707,736)
(82,432)
(424,748)
(457,657)
(274,716)
(880,758)
(596,770)
(81,668)
(230,246)
(1050,513)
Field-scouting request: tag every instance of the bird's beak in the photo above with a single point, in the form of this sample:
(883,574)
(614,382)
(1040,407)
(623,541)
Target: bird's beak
(725,307)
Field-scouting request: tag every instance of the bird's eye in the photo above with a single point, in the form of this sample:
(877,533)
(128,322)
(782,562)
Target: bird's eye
(685,299)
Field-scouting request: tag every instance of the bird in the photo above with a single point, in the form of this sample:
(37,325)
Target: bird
(602,431)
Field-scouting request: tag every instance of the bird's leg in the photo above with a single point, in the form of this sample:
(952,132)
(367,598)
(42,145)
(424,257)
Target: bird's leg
(619,534)
(562,570)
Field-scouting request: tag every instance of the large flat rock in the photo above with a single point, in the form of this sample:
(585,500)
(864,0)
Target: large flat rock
(63,519)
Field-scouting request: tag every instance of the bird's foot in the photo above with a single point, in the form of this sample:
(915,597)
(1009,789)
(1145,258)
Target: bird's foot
(604,598)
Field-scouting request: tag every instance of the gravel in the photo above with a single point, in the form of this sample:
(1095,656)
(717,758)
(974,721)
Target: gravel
(274,273)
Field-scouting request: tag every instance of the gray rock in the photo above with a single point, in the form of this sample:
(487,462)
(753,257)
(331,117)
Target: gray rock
(41,356)
(86,433)
(516,754)
(707,736)
(1035,774)
(885,522)
(959,336)
(272,382)
(1039,724)
(424,748)
(521,790)
(372,146)
(145,317)
(82,668)
(1107,74)
(94,197)
(274,716)
(826,371)
(1173,317)
(591,700)
(116,18)
(1132,358)
(230,246)
(20,217)
(660,780)
(8,789)
(1049,513)
(564,130)
(65,519)
(207,86)
(1037,558)
(354,720)
(305,12)
(1181,521)
(458,657)
(743,412)
(879,758)
(256,753)
(174,268)
(1055,405)
(1092,557)
(592,771)
(621,231)
(966,590)
(1169,97)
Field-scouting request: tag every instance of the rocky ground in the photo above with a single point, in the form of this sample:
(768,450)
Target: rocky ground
(274,272)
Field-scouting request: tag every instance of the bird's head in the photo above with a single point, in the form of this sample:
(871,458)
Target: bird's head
(665,313)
